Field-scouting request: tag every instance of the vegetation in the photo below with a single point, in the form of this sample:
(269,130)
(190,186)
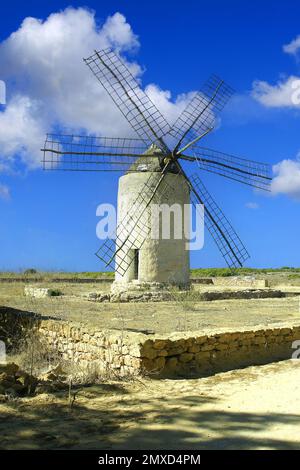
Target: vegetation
(55,292)
(30,271)
(225,272)
(33,274)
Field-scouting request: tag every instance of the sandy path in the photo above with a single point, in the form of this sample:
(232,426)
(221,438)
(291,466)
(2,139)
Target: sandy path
(253,408)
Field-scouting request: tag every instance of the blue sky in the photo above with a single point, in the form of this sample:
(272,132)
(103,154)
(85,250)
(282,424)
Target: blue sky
(48,220)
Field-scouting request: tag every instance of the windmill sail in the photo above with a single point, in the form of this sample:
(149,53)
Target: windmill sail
(199,115)
(249,172)
(88,153)
(224,235)
(135,105)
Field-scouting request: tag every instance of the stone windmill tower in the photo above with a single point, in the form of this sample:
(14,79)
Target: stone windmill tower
(155,173)
(145,254)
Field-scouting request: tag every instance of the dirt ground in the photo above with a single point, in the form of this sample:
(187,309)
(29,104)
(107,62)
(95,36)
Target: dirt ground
(253,408)
(160,318)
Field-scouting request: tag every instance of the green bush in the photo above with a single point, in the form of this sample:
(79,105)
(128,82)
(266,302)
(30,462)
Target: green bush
(30,271)
(55,292)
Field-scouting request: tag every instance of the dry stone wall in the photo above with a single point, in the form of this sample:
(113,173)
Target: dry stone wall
(195,353)
(89,348)
(218,351)
(241,281)
(177,354)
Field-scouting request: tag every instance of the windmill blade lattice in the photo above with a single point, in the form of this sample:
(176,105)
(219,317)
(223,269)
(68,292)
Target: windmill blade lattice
(135,105)
(199,115)
(88,153)
(248,172)
(224,235)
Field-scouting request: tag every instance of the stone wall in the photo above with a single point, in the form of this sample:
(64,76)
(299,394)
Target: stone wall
(136,293)
(177,354)
(241,294)
(89,348)
(241,281)
(14,324)
(160,260)
(218,351)
(192,353)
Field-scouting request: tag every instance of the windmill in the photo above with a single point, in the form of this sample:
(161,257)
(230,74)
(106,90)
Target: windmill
(154,171)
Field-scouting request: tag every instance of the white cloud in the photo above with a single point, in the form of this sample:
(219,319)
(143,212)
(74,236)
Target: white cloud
(252,205)
(4,191)
(285,93)
(21,132)
(293,47)
(163,100)
(287,178)
(49,85)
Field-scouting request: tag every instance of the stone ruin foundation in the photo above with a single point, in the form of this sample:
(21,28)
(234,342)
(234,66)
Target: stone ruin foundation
(138,291)
(173,355)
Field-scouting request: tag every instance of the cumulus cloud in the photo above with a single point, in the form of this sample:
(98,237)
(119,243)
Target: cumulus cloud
(285,93)
(4,192)
(163,100)
(21,131)
(50,87)
(49,84)
(287,178)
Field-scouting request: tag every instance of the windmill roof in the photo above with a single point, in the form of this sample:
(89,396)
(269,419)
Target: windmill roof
(149,161)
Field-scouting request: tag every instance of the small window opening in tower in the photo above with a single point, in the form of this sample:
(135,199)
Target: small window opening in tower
(136,264)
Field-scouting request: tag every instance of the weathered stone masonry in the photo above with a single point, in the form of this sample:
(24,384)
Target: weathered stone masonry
(175,354)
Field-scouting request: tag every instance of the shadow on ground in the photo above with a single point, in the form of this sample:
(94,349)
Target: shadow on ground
(105,417)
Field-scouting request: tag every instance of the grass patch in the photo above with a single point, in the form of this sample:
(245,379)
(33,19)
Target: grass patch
(32,274)
(226,272)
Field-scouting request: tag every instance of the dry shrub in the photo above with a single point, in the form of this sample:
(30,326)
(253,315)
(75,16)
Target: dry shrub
(34,354)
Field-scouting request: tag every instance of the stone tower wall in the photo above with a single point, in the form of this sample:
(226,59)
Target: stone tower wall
(160,260)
